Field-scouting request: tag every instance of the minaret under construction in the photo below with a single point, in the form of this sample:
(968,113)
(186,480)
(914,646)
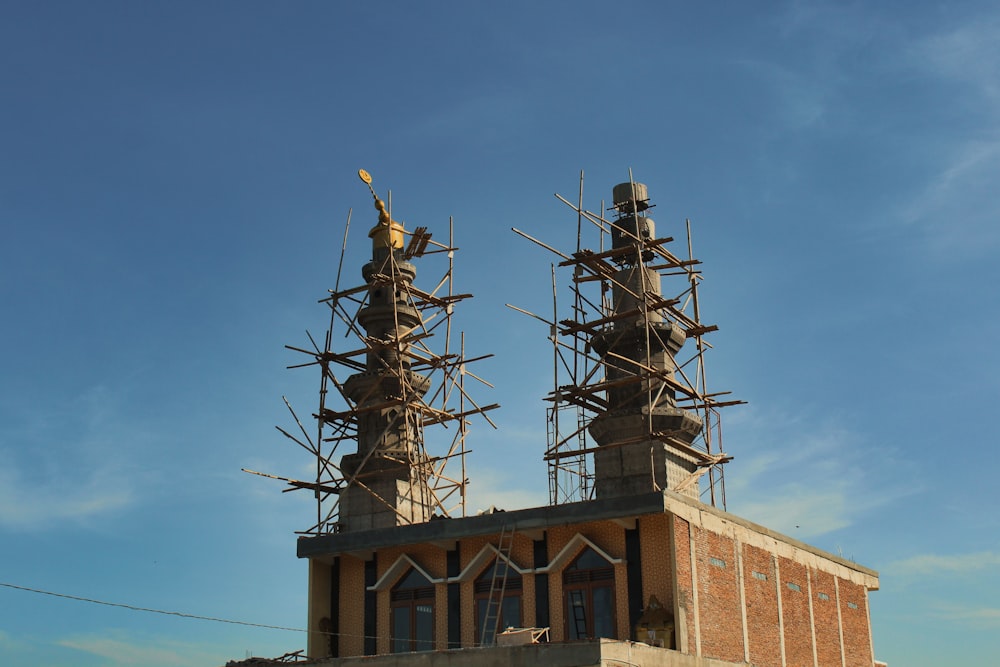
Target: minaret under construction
(625,564)
(387,479)
(637,348)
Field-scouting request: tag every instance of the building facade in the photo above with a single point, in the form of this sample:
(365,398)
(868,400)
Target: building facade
(731,590)
(642,563)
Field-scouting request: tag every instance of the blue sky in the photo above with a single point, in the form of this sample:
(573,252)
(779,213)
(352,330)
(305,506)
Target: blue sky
(174,182)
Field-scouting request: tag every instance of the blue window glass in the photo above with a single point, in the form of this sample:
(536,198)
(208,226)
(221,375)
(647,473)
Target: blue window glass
(588,587)
(509,612)
(412,616)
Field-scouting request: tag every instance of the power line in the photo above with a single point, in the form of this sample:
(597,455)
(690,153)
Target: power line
(150,611)
(179,614)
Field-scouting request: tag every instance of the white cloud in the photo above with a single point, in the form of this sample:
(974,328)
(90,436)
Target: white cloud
(69,495)
(977,616)
(120,649)
(938,564)
(8,644)
(802,98)
(969,53)
(802,512)
(801,477)
(957,207)
(59,464)
(504,491)
(487,119)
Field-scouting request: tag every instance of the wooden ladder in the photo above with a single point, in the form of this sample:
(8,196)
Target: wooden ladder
(498,585)
(579,608)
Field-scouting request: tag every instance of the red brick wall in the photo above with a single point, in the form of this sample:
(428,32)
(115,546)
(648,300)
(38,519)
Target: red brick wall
(857,642)
(762,607)
(795,614)
(825,618)
(665,547)
(719,610)
(685,592)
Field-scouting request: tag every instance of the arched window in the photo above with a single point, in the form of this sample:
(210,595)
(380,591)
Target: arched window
(588,586)
(509,612)
(412,601)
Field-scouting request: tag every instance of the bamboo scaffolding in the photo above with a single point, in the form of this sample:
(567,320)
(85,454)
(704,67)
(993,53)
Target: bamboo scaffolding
(400,359)
(583,378)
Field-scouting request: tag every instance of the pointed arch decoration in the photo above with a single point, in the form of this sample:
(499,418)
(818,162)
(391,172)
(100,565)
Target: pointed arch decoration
(572,548)
(482,559)
(400,567)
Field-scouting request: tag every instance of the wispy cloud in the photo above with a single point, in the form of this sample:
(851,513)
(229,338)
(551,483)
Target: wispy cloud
(988,617)
(802,98)
(503,491)
(968,53)
(27,503)
(957,207)
(802,477)
(809,89)
(71,466)
(951,563)
(489,119)
(120,649)
(8,644)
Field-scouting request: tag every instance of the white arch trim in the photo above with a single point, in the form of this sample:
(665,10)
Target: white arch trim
(479,561)
(572,548)
(397,569)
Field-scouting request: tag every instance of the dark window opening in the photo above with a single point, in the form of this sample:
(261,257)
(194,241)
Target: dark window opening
(588,586)
(412,602)
(509,612)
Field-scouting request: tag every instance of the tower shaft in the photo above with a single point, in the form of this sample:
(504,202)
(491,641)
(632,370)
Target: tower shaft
(388,477)
(637,351)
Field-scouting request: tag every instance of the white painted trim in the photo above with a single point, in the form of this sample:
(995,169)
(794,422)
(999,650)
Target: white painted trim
(741,580)
(680,610)
(694,590)
(871,638)
(396,570)
(572,548)
(812,616)
(480,560)
(840,622)
(781,613)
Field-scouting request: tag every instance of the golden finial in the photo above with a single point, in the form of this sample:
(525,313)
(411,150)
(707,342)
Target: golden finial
(387,233)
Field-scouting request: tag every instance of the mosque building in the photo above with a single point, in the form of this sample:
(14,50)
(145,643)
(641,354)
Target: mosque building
(626,564)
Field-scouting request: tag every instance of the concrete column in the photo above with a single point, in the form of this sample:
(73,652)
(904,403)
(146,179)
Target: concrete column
(318,645)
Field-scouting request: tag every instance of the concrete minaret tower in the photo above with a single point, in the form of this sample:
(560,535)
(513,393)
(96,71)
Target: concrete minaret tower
(637,349)
(388,476)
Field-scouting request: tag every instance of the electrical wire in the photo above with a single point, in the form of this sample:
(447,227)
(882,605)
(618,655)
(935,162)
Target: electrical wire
(179,614)
(150,611)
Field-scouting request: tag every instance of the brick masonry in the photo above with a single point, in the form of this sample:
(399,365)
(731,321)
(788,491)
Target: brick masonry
(719,603)
(761,592)
(739,593)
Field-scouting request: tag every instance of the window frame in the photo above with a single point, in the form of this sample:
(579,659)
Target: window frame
(413,600)
(581,584)
(481,593)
